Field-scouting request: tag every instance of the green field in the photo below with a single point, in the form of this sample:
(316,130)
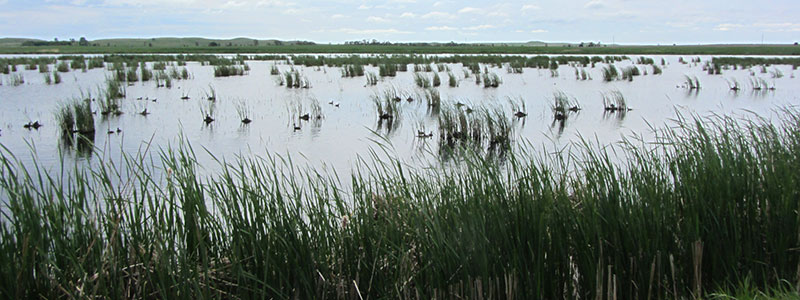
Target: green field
(244,45)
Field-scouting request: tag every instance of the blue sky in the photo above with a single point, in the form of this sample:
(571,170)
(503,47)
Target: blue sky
(622,21)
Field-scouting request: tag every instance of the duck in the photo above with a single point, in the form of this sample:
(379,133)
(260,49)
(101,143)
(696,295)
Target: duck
(409,99)
(296,128)
(330,102)
(35,125)
(336,104)
(421,134)
(246,120)
(208,119)
(385,116)
(144,112)
(304,117)
(520,114)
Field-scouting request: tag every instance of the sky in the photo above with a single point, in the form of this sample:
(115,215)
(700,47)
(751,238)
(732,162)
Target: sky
(607,21)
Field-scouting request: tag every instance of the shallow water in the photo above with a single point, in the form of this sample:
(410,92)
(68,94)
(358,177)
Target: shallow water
(350,130)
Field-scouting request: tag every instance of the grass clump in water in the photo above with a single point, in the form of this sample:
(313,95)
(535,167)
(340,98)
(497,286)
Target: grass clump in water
(610,73)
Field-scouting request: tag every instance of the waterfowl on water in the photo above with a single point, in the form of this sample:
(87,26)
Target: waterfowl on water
(304,117)
(208,119)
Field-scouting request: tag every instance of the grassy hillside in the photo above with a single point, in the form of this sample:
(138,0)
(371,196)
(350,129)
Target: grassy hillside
(246,45)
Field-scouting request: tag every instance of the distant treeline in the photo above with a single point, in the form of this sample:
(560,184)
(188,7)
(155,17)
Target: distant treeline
(46,43)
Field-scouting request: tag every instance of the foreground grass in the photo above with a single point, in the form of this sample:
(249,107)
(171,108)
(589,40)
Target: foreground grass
(432,49)
(713,204)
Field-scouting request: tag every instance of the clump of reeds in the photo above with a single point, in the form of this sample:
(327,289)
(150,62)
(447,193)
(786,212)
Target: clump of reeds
(433,99)
(147,74)
(452,80)
(629,72)
(515,67)
(62,66)
(422,80)
(563,105)
(353,70)
(228,70)
(387,105)
(614,101)
(56,78)
(17,79)
(293,79)
(490,80)
(518,107)
(692,83)
(48,79)
(96,62)
(387,70)
(776,73)
(131,75)
(273,70)
(44,68)
(372,78)
(656,70)
(76,117)
(610,73)
(244,112)
(733,84)
(160,66)
(436,80)
(474,128)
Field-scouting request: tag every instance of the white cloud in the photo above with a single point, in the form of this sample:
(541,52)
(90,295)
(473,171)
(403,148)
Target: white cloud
(468,10)
(338,16)
(438,15)
(363,6)
(595,4)
(408,15)
(538,31)
(375,19)
(440,28)
(727,27)
(479,27)
(371,31)
(530,7)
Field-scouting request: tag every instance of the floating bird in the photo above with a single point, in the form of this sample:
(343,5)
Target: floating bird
(330,102)
(304,117)
(296,128)
(185,98)
(144,112)
(208,119)
(119,130)
(336,104)
(385,116)
(246,121)
(421,134)
(35,125)
(520,114)
(409,99)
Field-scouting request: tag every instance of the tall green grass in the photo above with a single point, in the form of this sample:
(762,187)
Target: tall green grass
(713,202)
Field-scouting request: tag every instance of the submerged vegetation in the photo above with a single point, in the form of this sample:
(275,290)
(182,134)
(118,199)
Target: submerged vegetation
(638,222)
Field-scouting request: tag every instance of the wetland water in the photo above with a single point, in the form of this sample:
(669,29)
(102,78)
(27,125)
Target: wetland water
(348,126)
